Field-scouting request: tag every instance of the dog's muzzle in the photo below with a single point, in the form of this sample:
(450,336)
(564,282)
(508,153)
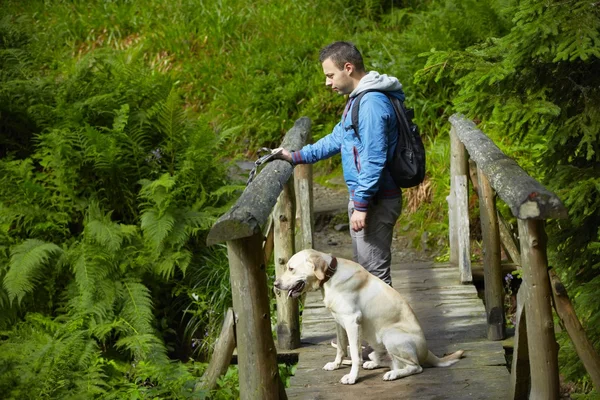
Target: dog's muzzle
(294,291)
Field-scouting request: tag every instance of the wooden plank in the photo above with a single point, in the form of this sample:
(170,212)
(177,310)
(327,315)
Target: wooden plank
(288,320)
(434,383)
(543,349)
(494,290)
(450,322)
(526,197)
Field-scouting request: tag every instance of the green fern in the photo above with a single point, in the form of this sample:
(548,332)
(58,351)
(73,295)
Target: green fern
(26,266)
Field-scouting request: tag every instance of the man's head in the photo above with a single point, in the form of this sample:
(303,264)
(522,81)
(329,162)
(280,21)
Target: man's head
(342,65)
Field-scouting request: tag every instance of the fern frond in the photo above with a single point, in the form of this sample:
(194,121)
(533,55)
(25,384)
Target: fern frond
(137,307)
(26,265)
(166,266)
(143,346)
(157,227)
(102,230)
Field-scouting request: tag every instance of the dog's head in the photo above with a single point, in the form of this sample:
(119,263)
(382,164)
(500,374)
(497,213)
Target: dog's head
(304,272)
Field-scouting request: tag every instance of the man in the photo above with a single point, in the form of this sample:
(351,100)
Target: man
(375,201)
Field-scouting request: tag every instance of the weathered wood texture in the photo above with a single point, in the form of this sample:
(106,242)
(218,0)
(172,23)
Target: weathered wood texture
(525,196)
(506,238)
(461,219)
(566,312)
(288,321)
(458,167)
(520,374)
(221,356)
(259,373)
(494,290)
(255,204)
(453,318)
(303,178)
(543,349)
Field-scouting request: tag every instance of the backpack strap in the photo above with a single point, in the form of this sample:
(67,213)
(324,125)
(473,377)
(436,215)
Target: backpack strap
(397,105)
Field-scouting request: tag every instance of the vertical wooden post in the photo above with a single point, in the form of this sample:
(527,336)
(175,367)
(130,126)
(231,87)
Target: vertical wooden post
(565,310)
(492,270)
(303,180)
(520,374)
(543,350)
(462,224)
(257,355)
(288,320)
(458,166)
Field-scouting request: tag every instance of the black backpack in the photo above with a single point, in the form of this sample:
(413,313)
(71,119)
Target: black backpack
(407,165)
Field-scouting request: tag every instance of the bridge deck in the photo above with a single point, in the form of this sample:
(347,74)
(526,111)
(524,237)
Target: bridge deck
(453,318)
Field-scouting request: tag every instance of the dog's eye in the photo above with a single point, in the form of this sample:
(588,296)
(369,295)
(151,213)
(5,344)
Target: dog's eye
(291,269)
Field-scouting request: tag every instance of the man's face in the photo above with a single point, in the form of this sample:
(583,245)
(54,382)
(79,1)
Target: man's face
(338,79)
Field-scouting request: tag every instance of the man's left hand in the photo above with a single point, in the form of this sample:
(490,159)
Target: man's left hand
(358,220)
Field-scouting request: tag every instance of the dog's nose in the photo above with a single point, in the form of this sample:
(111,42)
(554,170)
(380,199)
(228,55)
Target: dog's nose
(277,283)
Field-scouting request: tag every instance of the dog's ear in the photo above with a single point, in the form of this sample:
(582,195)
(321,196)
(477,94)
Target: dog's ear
(319,266)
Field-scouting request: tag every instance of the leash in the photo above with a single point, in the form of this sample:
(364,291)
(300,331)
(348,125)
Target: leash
(271,154)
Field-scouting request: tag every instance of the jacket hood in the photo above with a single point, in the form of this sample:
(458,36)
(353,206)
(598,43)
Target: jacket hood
(376,81)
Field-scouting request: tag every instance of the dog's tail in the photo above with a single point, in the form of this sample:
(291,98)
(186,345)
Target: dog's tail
(446,361)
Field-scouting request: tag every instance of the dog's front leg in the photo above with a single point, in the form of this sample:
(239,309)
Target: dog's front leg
(342,345)
(352,325)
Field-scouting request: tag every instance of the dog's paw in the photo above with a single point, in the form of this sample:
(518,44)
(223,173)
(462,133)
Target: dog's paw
(391,375)
(330,366)
(370,365)
(348,379)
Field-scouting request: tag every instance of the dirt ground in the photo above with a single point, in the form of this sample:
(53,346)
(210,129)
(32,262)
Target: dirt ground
(332,230)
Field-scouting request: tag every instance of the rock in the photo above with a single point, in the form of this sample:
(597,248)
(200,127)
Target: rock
(341,227)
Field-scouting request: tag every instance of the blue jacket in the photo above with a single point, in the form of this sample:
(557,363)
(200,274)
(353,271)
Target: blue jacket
(363,159)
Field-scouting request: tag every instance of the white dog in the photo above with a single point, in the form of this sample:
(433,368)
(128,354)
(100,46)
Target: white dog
(363,304)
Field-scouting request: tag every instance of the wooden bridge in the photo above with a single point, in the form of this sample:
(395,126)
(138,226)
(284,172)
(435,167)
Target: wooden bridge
(452,316)
(263,224)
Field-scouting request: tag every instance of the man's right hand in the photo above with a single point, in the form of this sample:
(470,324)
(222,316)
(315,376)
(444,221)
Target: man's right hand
(282,154)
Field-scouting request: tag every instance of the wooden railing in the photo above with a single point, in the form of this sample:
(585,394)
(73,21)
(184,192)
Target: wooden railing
(263,220)
(534,373)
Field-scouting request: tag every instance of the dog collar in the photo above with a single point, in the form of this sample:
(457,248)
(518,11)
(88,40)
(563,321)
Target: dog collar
(330,270)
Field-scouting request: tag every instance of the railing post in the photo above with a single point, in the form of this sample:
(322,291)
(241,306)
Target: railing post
(255,345)
(303,182)
(492,270)
(461,219)
(543,349)
(288,320)
(458,166)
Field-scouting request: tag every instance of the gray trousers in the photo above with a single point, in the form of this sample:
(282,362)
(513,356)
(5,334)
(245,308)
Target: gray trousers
(372,246)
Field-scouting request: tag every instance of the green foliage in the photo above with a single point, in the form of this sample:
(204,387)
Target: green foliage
(537,87)
(113,140)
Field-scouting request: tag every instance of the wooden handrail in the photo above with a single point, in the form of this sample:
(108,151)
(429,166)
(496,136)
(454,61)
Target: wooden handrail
(248,254)
(253,207)
(525,196)
(531,203)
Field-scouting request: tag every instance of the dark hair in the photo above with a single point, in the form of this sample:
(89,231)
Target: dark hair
(341,53)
